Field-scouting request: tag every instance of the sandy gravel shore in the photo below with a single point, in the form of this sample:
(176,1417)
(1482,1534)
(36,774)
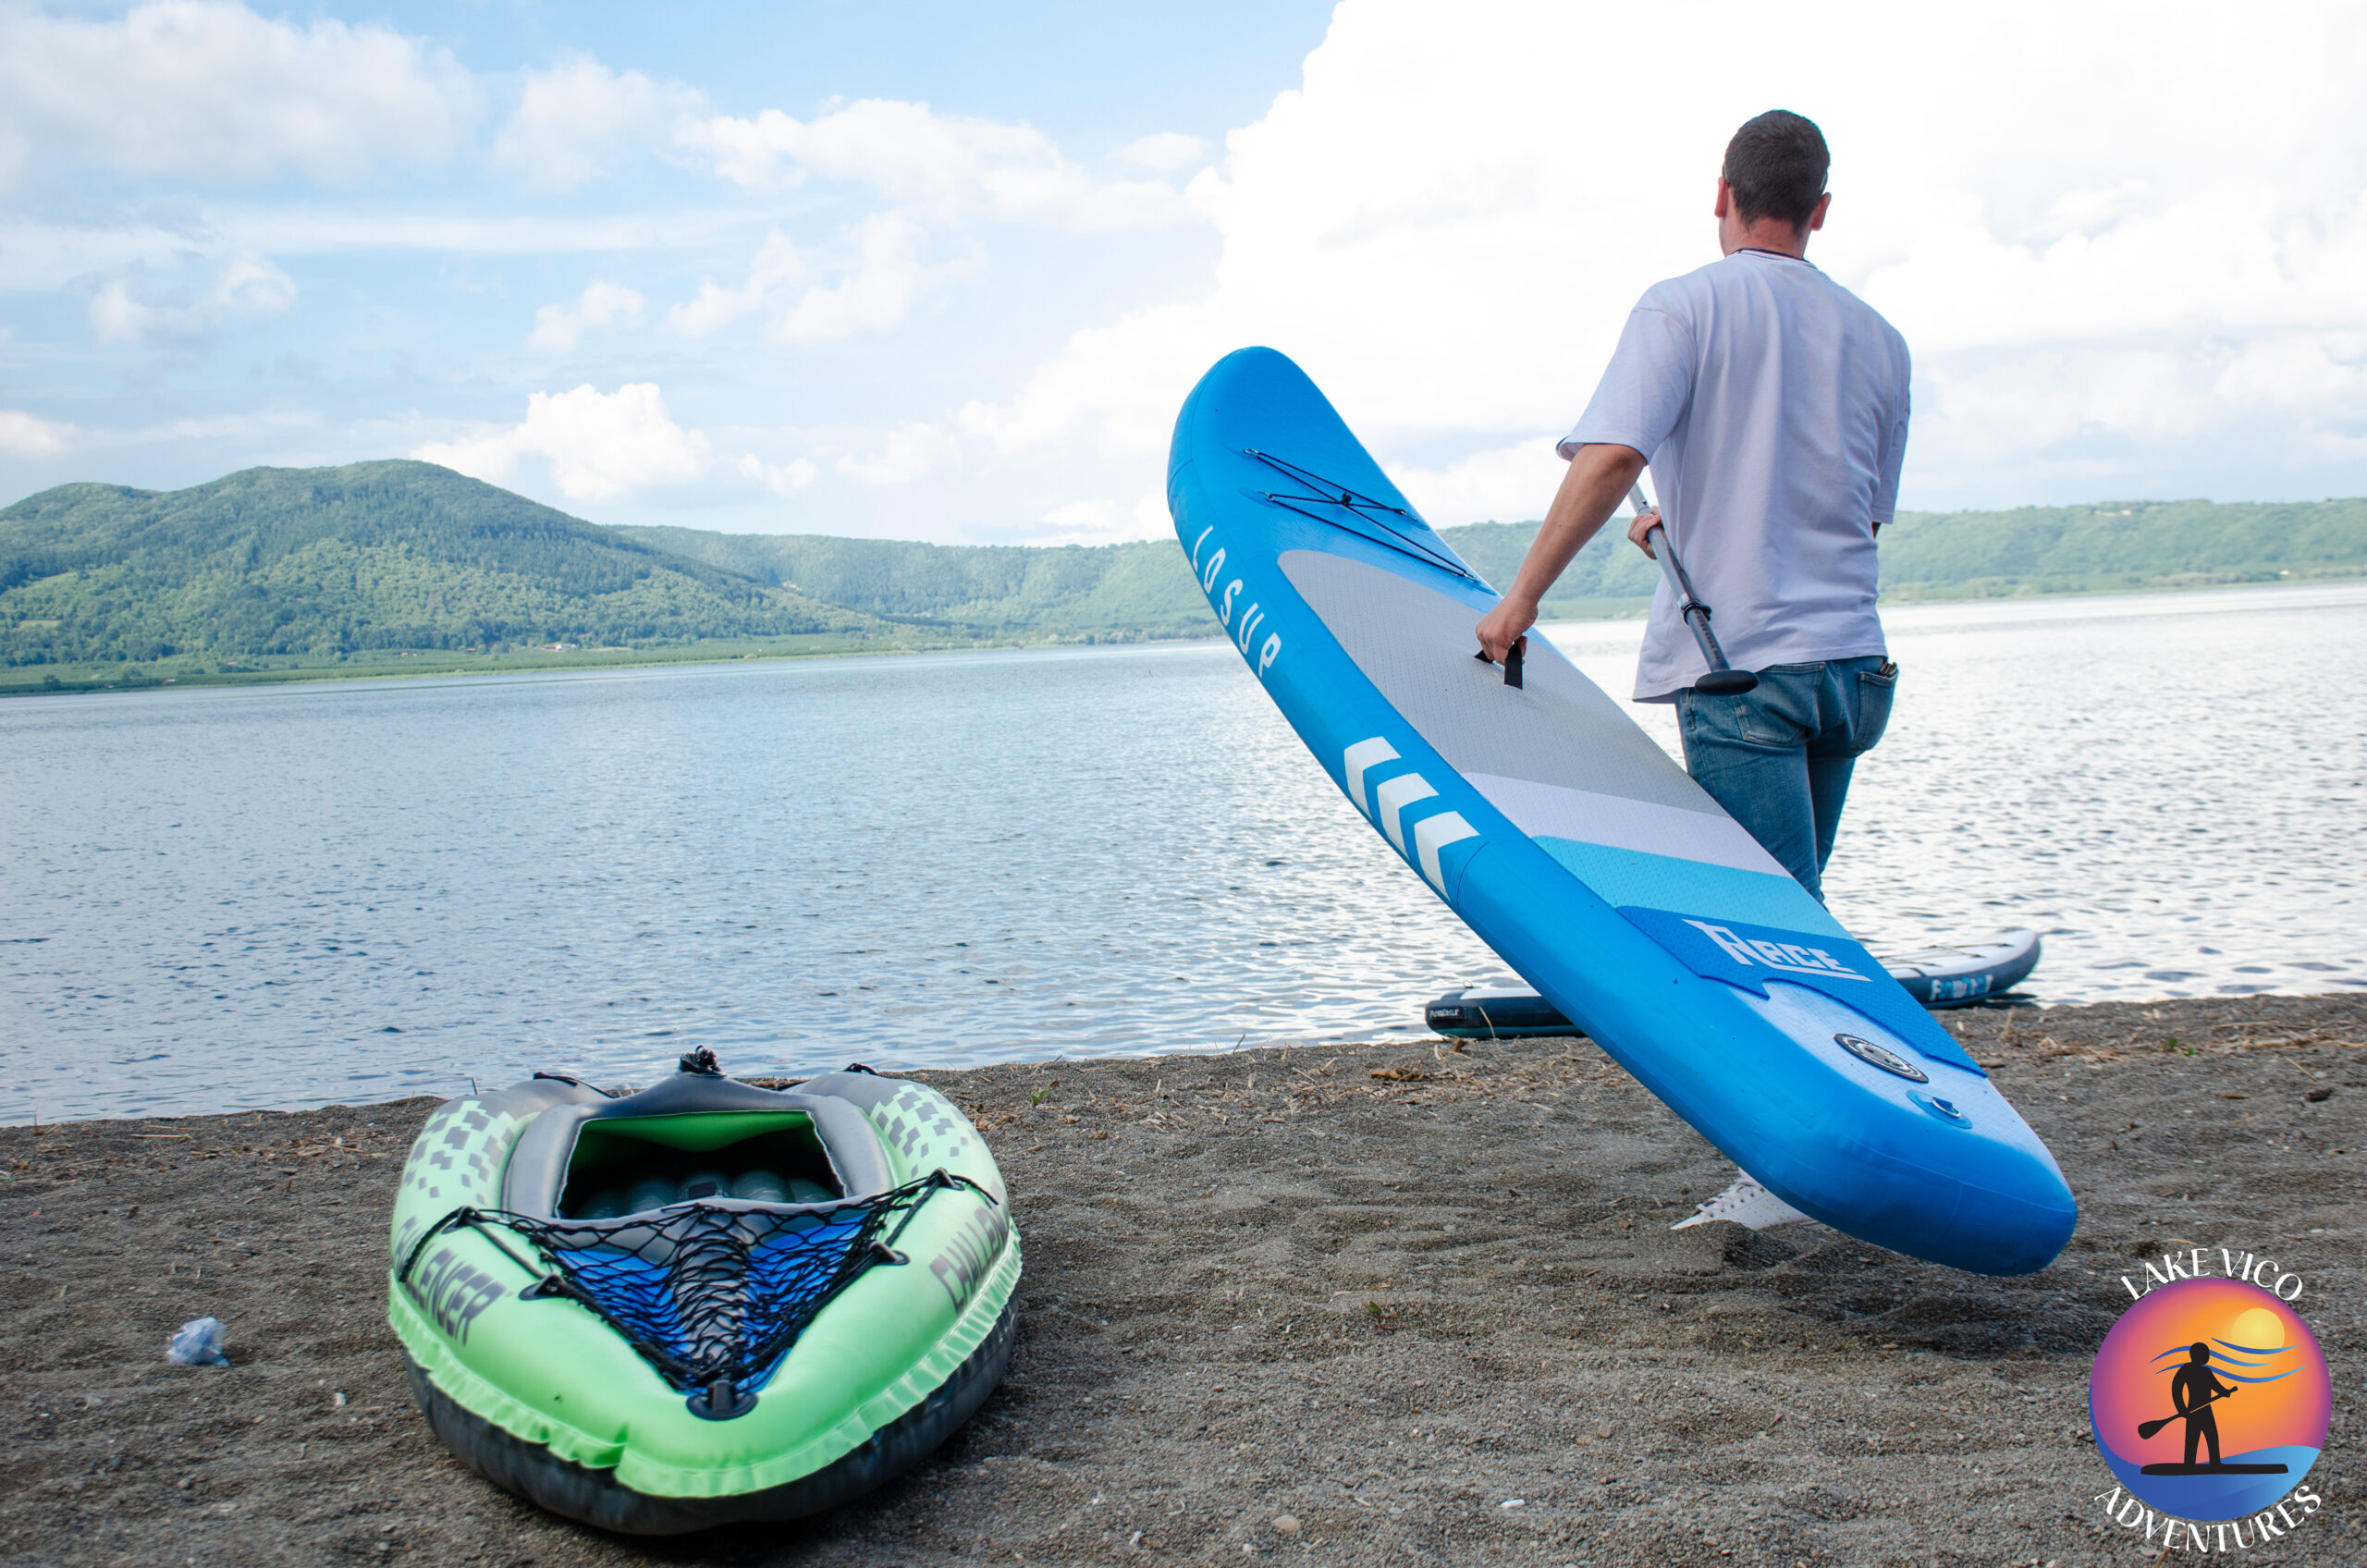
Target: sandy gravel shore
(1278,1306)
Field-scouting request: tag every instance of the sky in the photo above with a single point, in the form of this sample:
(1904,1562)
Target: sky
(946,271)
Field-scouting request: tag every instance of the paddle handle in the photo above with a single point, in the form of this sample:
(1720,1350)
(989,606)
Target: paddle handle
(2150,1427)
(1724,680)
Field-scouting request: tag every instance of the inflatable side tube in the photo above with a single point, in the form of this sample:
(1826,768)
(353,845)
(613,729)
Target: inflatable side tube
(596,1498)
(922,1130)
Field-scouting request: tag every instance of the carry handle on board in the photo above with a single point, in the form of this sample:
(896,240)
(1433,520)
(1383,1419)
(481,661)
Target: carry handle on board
(1724,680)
(1511,661)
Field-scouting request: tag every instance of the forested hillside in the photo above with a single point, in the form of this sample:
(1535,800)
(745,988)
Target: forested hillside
(1104,591)
(2116,546)
(277,572)
(1609,577)
(2120,546)
(372,556)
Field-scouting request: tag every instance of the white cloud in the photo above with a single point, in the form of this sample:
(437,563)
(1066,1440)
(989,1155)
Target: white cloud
(116,317)
(1169,152)
(782,480)
(559,327)
(29,436)
(1092,522)
(1098,521)
(868,282)
(36,255)
(599,444)
(777,267)
(248,284)
(872,293)
(578,112)
(2108,291)
(928,179)
(1448,239)
(910,452)
(207,427)
(940,167)
(1115,388)
(1510,483)
(2297,370)
(211,90)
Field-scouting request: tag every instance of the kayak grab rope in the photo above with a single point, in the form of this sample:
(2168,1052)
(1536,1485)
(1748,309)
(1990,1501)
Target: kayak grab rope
(1334,493)
(713,1297)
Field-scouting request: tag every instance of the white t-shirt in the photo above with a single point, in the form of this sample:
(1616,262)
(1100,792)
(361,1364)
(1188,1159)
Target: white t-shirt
(1771,403)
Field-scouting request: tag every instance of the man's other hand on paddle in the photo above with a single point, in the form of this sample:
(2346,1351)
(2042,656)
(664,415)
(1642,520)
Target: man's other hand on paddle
(1597,480)
(1639,532)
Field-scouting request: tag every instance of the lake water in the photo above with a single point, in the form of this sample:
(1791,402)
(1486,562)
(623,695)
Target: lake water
(350,891)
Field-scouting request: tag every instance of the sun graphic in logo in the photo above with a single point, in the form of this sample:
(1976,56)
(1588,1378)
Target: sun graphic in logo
(2210,1399)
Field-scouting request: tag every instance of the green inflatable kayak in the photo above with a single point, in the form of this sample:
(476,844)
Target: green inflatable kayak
(705,1302)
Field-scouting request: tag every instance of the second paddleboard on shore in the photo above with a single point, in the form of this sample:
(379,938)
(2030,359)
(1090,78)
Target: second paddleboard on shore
(1942,976)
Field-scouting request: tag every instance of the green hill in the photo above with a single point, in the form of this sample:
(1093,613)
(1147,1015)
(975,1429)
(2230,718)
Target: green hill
(1101,592)
(279,572)
(1611,577)
(1144,589)
(368,558)
(2119,546)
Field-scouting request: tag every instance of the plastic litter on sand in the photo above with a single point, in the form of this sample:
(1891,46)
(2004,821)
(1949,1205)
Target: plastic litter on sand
(197,1343)
(1747,1204)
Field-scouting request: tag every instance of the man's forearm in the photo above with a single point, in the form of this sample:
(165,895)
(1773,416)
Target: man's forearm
(1597,480)
(1598,477)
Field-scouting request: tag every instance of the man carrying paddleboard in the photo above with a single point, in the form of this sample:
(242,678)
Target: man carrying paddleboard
(1771,403)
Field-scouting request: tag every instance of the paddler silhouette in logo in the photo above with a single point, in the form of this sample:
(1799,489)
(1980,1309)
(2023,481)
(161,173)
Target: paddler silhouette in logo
(2210,1399)
(2193,1390)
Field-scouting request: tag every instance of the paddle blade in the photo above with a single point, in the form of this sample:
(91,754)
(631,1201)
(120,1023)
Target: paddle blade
(1726,683)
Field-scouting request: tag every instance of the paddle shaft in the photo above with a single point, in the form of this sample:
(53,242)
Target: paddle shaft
(2150,1428)
(1722,678)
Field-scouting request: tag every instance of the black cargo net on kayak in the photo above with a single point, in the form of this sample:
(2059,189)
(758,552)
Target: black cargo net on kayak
(1337,498)
(712,1296)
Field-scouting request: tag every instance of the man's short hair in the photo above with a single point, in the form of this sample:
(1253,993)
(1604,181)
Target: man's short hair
(1776,166)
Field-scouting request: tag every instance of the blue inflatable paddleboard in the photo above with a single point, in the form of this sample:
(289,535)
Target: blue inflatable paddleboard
(1589,860)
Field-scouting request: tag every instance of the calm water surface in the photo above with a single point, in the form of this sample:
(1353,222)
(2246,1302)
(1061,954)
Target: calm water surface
(300,896)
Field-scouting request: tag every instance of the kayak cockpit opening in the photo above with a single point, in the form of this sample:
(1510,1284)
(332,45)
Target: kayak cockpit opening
(636,1164)
(692,1138)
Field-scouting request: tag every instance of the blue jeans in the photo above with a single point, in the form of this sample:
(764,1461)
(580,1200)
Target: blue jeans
(1779,758)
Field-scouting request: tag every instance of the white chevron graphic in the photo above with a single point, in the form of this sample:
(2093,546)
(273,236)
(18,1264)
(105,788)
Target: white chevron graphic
(1360,757)
(1431,834)
(1435,833)
(1394,796)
